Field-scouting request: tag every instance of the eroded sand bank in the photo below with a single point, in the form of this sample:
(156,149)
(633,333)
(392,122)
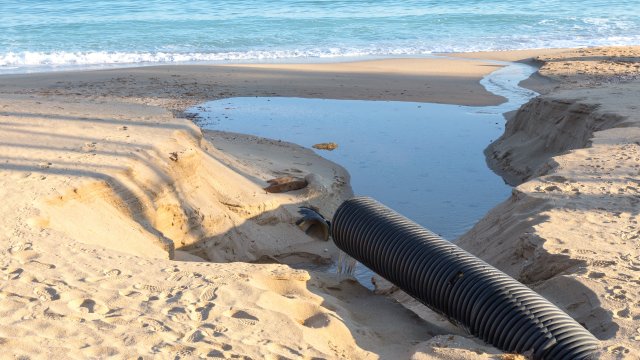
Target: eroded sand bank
(102,184)
(570,230)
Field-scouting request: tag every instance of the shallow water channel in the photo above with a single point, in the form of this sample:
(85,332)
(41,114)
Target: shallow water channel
(423,160)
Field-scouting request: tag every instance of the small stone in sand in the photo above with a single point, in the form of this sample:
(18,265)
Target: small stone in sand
(285,183)
(326,146)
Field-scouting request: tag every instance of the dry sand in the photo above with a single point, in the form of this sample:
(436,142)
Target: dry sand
(111,204)
(570,230)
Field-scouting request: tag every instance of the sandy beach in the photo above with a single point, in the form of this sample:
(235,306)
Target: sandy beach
(128,232)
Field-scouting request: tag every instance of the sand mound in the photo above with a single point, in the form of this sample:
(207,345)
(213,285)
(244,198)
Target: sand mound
(97,200)
(570,232)
(149,188)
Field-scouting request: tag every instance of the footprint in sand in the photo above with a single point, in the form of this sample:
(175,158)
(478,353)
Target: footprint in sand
(195,336)
(41,266)
(215,330)
(183,352)
(602,263)
(18,247)
(48,314)
(129,293)
(317,321)
(88,306)
(216,354)
(16,297)
(153,324)
(616,293)
(122,317)
(208,294)
(182,275)
(199,313)
(279,349)
(150,288)
(26,256)
(245,318)
(596,275)
(159,328)
(112,273)
(12,274)
(222,352)
(623,314)
(618,350)
(585,251)
(46,293)
(551,188)
(171,269)
(218,280)
(103,326)
(178,314)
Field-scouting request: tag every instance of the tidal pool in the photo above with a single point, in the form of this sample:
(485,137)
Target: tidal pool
(423,160)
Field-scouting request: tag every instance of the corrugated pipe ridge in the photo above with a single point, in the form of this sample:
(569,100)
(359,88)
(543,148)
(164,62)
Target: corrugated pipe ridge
(471,293)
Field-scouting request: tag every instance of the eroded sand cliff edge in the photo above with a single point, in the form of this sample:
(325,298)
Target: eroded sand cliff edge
(570,229)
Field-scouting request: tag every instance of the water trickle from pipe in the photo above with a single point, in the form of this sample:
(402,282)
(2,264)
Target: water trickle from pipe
(346,266)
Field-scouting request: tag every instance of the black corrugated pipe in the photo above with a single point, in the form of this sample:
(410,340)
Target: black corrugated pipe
(471,293)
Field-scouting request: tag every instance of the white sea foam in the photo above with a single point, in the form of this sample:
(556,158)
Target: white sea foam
(37,61)
(34,61)
(29,58)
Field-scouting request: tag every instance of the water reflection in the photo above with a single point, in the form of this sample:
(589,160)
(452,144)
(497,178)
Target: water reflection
(423,160)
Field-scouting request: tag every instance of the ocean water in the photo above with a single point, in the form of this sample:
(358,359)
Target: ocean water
(45,35)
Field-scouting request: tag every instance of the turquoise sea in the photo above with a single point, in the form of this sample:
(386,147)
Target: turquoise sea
(44,35)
